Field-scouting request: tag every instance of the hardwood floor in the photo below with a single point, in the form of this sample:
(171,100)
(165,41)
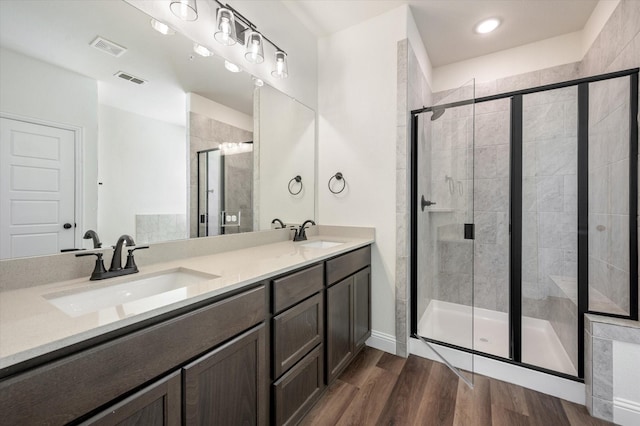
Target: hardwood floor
(383,389)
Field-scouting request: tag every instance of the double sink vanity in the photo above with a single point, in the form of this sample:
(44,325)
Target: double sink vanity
(246,336)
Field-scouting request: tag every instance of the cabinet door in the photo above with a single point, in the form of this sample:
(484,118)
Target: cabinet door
(295,332)
(156,405)
(339,327)
(227,385)
(298,389)
(361,307)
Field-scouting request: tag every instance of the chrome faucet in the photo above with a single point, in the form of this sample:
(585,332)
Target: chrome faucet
(116,260)
(91,234)
(300,234)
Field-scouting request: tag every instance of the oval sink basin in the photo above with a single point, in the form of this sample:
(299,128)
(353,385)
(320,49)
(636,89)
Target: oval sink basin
(321,244)
(131,295)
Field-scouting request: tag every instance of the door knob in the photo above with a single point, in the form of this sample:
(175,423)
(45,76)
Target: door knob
(426,203)
(67,226)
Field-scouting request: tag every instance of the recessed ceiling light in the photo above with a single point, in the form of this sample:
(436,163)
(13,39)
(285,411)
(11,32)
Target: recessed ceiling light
(487,25)
(161,27)
(230,66)
(201,50)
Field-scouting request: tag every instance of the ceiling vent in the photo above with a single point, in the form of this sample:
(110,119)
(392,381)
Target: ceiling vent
(126,76)
(109,47)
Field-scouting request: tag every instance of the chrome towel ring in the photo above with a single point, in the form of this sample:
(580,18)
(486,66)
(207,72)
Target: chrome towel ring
(294,180)
(338,177)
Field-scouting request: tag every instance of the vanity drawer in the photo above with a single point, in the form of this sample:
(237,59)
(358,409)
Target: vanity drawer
(296,331)
(293,288)
(347,264)
(64,390)
(296,392)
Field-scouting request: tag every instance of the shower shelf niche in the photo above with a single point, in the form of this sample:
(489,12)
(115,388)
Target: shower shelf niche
(439,211)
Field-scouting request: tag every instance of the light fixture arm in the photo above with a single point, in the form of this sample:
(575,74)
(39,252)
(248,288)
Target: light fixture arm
(249,24)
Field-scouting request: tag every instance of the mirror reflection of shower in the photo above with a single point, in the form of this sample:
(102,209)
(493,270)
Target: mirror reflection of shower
(224,189)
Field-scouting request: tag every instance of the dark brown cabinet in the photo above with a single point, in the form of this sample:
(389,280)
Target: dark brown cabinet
(296,346)
(227,385)
(156,405)
(67,389)
(339,327)
(296,331)
(361,307)
(299,388)
(348,309)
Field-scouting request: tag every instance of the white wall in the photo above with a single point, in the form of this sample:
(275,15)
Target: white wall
(357,136)
(287,148)
(219,112)
(142,169)
(415,40)
(36,89)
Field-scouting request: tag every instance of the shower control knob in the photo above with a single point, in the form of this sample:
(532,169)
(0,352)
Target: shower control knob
(426,203)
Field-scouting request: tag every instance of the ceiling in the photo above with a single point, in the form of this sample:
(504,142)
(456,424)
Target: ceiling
(446,26)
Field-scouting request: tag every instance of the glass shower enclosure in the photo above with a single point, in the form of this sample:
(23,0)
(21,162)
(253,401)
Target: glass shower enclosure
(524,218)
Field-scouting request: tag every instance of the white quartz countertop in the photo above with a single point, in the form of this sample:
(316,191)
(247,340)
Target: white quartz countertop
(31,325)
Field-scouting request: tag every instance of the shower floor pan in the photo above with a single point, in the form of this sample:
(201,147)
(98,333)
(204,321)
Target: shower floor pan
(451,323)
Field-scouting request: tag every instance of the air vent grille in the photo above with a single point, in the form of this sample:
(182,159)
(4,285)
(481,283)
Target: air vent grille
(109,47)
(126,76)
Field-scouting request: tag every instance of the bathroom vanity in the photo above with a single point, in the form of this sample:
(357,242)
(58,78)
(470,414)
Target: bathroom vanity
(244,351)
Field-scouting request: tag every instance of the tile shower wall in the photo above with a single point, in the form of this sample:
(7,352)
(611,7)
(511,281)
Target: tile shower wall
(207,133)
(491,205)
(491,202)
(238,180)
(153,228)
(617,47)
(549,213)
(609,196)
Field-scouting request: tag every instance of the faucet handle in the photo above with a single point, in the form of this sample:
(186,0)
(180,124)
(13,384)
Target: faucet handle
(98,269)
(131,263)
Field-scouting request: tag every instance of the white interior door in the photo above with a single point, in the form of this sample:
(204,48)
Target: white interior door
(37,189)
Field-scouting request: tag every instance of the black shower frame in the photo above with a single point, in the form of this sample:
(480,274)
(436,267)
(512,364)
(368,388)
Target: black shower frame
(515,226)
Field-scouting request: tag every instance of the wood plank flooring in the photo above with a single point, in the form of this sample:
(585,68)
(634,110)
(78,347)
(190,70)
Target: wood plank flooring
(383,389)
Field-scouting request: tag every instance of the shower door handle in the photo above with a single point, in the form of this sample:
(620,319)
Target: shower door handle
(426,203)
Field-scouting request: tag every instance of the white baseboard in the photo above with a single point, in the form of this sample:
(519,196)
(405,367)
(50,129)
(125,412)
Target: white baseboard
(382,341)
(542,382)
(625,412)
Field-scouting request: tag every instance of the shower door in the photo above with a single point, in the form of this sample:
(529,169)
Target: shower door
(443,142)
(210,192)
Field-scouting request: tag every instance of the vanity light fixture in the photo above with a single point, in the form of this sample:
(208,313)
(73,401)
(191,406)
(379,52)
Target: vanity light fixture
(487,26)
(161,27)
(281,70)
(230,66)
(187,10)
(201,50)
(255,50)
(230,23)
(225,27)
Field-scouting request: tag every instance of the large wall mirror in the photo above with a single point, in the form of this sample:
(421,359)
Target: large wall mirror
(107,124)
